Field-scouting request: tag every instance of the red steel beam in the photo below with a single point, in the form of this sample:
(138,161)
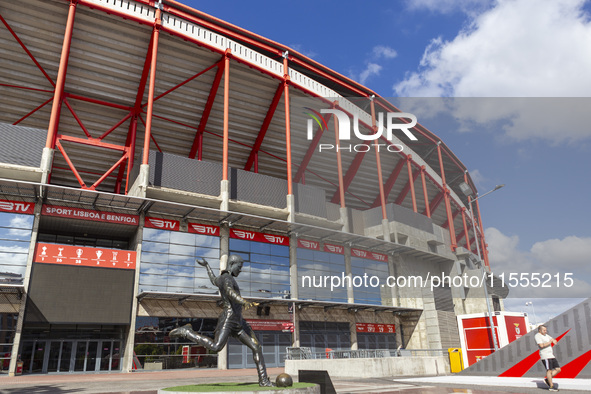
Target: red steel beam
(106,174)
(452,232)
(436,201)
(264,127)
(135,113)
(26,88)
(287,126)
(27,50)
(453,216)
(197,148)
(99,102)
(425,195)
(77,118)
(106,133)
(465,229)
(61,78)
(186,81)
(226,115)
(409,185)
(378,162)
(33,111)
(151,134)
(482,242)
(341,189)
(70,164)
(391,181)
(91,142)
(309,153)
(150,109)
(351,171)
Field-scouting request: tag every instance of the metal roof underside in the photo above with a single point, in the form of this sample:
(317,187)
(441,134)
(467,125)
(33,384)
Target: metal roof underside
(106,60)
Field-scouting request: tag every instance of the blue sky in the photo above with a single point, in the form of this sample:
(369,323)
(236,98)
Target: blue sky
(475,48)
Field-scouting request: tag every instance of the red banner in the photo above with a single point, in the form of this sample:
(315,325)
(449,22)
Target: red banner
(89,214)
(270,325)
(303,243)
(376,328)
(259,237)
(204,229)
(338,249)
(84,256)
(364,254)
(162,224)
(17,207)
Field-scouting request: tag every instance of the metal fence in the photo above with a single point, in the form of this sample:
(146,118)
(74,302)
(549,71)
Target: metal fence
(305,353)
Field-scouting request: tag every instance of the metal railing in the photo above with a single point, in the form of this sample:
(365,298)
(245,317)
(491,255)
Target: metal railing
(305,353)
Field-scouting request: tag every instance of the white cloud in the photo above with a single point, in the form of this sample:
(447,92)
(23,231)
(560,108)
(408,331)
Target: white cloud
(477,178)
(573,252)
(517,48)
(300,48)
(448,6)
(553,261)
(384,51)
(371,69)
(543,309)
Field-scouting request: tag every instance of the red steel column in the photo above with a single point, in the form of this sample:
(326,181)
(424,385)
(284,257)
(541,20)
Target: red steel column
(150,109)
(425,195)
(411,182)
(226,114)
(452,232)
(61,78)
(287,126)
(482,242)
(339,164)
(466,229)
(378,162)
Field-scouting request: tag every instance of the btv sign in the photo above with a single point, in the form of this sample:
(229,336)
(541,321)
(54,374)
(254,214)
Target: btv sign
(344,123)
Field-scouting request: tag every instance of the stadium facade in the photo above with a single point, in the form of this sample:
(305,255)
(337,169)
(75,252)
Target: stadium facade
(137,136)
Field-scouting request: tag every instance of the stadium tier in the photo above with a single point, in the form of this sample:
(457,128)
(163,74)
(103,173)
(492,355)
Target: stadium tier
(139,136)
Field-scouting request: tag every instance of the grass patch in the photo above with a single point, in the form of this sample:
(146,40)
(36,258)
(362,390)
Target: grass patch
(205,387)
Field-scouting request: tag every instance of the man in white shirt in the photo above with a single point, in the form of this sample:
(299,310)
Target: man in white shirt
(545,343)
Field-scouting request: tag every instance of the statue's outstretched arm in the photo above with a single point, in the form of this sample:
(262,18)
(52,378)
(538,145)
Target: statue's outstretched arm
(212,277)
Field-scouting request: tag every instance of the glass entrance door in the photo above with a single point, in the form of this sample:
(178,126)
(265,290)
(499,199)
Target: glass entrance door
(46,356)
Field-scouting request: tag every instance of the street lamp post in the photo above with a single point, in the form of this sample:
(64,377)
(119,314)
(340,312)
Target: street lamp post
(467,191)
(530,303)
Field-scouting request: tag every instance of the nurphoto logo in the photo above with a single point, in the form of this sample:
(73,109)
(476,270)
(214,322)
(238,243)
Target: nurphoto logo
(385,130)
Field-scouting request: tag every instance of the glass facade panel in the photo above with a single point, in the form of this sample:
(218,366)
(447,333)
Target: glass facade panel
(15,238)
(316,266)
(368,294)
(7,331)
(168,261)
(265,271)
(152,344)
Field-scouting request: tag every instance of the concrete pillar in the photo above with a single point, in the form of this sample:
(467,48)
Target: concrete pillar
(349,273)
(398,330)
(46,162)
(140,186)
(345,220)
(225,195)
(353,331)
(224,253)
(386,229)
(27,279)
(291,208)
(293,284)
(127,363)
(393,272)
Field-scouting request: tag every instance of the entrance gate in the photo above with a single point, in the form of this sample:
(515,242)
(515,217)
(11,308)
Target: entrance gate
(47,356)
